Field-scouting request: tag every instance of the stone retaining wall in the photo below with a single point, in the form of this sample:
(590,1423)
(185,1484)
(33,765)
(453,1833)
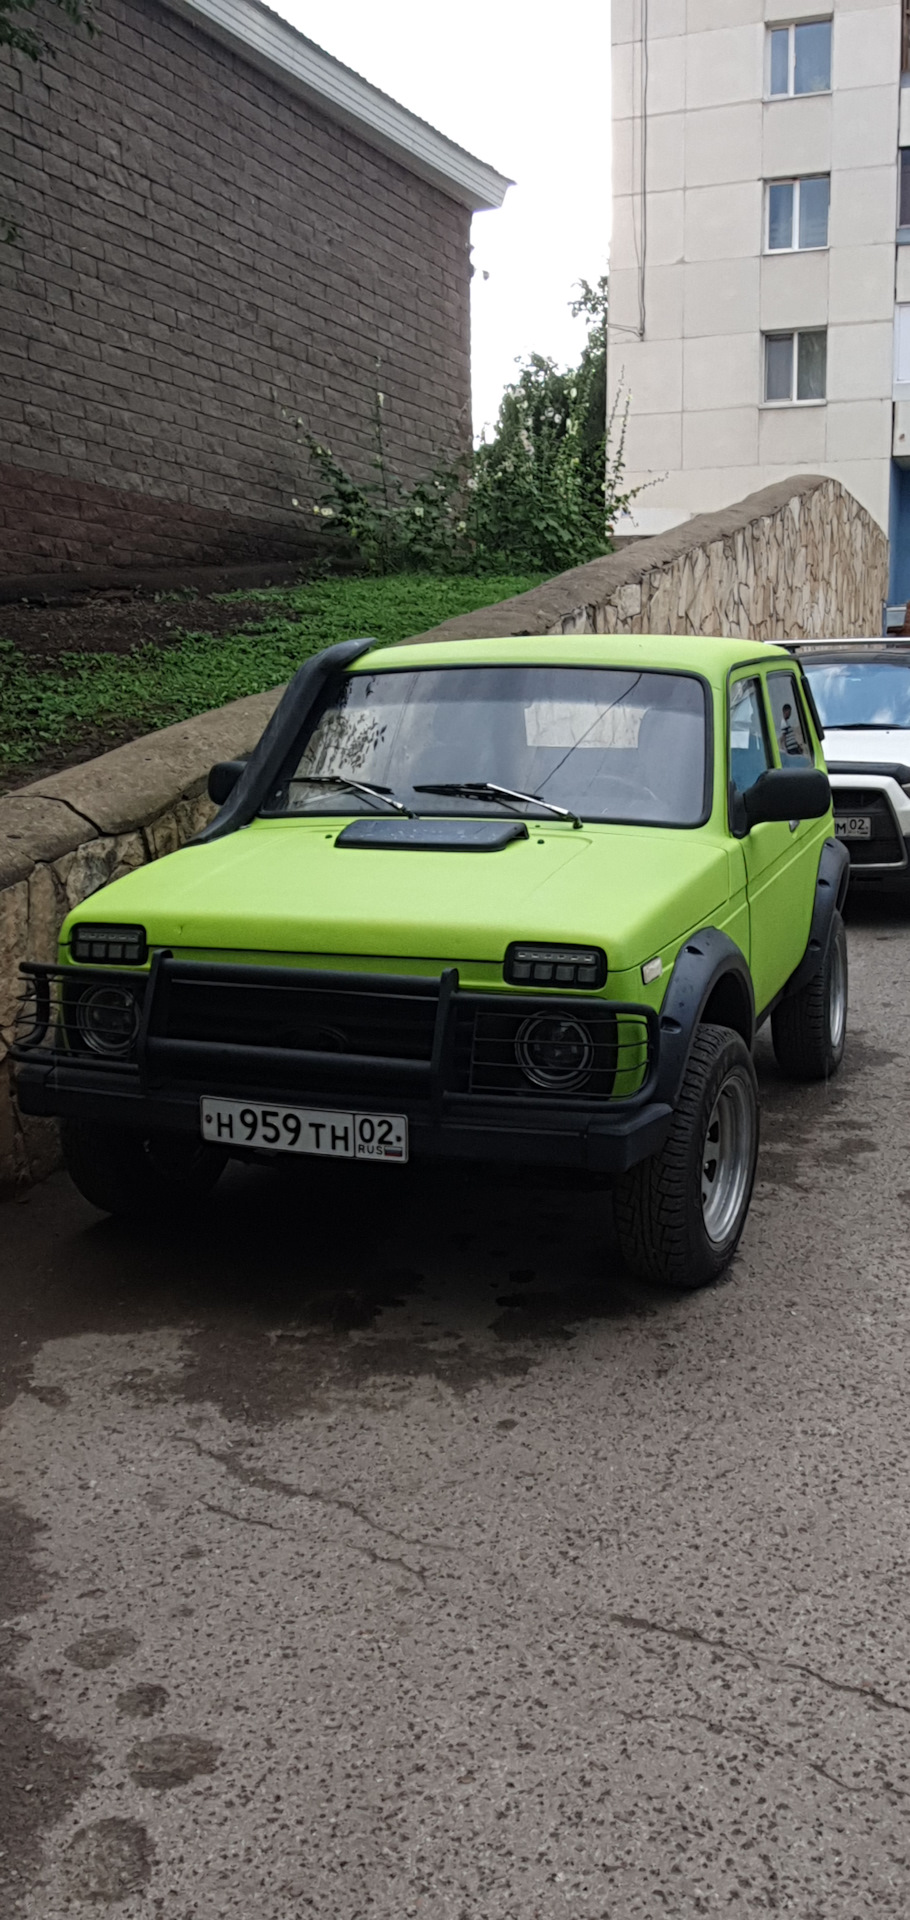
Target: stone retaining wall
(796,560)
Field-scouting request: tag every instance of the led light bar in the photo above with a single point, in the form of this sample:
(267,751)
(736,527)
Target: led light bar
(533,966)
(109,946)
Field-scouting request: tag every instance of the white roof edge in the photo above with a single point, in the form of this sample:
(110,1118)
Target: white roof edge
(271,43)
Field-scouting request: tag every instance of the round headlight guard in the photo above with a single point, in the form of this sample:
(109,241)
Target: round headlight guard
(107,1019)
(554,1050)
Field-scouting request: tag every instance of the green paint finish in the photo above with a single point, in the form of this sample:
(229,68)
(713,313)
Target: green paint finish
(280,891)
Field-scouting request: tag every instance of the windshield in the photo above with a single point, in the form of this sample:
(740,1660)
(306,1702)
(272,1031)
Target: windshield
(861,693)
(608,743)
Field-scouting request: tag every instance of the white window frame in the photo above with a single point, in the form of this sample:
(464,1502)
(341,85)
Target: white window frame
(795,181)
(780,333)
(789,27)
(901,377)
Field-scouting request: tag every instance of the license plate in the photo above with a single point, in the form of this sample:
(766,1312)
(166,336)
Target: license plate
(853,826)
(334,1136)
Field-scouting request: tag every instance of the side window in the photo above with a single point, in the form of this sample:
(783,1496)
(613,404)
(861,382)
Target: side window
(790,727)
(750,754)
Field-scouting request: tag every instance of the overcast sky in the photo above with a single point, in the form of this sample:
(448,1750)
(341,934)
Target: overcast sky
(527,88)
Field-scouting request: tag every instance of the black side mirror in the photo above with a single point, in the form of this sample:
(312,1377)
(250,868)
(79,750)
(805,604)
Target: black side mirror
(802,793)
(223,778)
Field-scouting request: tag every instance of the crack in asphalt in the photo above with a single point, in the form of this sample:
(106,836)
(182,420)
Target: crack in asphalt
(369,1553)
(755,1739)
(266,1483)
(633,1623)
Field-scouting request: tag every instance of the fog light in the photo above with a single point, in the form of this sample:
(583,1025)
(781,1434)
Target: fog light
(107,1019)
(554,1051)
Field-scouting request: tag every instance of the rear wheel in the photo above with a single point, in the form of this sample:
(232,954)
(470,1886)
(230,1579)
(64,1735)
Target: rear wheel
(809,1029)
(137,1174)
(679,1215)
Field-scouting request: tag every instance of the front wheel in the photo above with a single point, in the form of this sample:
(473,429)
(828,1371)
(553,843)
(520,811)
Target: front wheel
(135,1174)
(679,1215)
(809,1029)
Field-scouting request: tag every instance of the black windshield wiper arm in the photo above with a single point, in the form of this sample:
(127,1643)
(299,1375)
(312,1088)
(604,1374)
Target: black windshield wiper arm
(866,726)
(488,790)
(379,795)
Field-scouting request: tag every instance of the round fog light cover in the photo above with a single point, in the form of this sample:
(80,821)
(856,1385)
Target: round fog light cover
(554,1050)
(108,1019)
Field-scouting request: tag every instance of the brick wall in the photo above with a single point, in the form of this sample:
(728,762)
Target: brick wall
(202,260)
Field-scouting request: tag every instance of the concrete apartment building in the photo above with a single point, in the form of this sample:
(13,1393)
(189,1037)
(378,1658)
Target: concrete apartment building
(760,274)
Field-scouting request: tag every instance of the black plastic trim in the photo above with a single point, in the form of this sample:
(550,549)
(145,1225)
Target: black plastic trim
(890,769)
(276,741)
(707,958)
(831,886)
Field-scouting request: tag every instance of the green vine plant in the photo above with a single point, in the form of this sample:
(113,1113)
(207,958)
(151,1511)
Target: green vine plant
(542,494)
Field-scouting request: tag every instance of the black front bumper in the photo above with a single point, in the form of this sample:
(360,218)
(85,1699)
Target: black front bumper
(430,1079)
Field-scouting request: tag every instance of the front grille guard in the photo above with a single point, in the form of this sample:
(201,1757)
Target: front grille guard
(45,1022)
(44,1027)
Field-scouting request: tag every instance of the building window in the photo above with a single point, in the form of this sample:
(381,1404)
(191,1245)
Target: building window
(795,367)
(903,208)
(902,352)
(800,58)
(797,214)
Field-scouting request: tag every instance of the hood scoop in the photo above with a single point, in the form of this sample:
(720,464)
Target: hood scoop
(433,836)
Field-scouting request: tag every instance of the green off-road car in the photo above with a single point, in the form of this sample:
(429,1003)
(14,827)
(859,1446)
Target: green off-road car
(517,900)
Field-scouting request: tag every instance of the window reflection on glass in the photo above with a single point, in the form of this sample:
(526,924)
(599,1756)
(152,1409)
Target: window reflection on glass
(798,213)
(800,58)
(814,195)
(779,366)
(811,365)
(611,743)
(789,726)
(860,693)
(749,751)
(812,57)
(780,60)
(780,215)
(903,215)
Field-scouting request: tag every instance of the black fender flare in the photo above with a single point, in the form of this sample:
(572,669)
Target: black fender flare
(277,738)
(706,959)
(831,885)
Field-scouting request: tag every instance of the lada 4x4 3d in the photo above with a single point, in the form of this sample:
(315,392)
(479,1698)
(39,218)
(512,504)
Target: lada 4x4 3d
(513,900)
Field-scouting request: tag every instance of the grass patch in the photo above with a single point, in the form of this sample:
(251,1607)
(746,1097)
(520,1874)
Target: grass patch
(81,695)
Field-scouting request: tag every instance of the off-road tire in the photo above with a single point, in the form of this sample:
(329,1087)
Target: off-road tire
(657,1206)
(134,1174)
(807,1032)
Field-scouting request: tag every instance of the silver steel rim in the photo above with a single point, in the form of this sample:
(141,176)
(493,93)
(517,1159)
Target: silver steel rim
(726,1166)
(837,997)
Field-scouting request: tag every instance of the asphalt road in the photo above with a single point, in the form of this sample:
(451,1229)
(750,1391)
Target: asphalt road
(382,1549)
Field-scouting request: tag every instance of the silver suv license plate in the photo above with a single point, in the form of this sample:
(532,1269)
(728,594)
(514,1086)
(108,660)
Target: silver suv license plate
(337,1136)
(853,826)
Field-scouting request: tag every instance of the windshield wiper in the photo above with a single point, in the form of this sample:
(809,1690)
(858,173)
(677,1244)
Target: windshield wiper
(866,726)
(488,790)
(379,795)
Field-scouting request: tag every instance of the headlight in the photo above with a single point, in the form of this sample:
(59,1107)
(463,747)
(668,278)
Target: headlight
(554,1051)
(536,966)
(109,946)
(107,1019)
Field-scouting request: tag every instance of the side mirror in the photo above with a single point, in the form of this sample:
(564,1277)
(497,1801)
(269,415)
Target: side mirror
(223,778)
(782,794)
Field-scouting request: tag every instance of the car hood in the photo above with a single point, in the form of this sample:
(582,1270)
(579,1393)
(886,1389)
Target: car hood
(286,887)
(868,747)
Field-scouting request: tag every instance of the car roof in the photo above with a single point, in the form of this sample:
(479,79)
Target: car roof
(686,653)
(876,652)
